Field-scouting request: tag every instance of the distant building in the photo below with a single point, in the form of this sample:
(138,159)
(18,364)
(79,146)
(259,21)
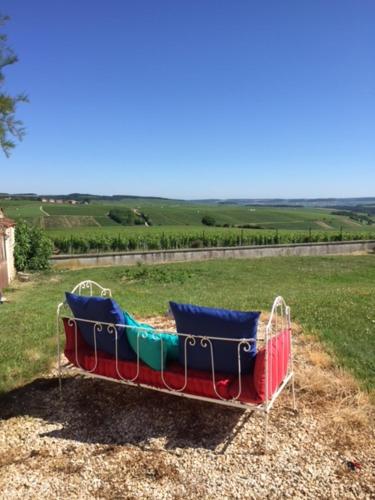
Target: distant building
(73,202)
(60,202)
(44,200)
(51,200)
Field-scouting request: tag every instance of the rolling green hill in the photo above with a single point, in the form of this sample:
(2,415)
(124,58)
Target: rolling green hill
(173,213)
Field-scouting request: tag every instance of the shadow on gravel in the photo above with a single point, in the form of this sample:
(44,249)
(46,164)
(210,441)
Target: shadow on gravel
(100,412)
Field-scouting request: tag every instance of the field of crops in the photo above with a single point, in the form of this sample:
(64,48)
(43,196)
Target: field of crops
(88,228)
(161,213)
(21,209)
(191,215)
(154,238)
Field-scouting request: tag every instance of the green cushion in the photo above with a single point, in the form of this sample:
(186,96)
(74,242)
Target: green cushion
(150,343)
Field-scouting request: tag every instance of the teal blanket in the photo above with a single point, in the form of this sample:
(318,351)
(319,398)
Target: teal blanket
(153,348)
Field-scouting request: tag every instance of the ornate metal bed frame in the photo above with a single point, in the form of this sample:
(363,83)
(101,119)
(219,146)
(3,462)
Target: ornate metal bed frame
(279,321)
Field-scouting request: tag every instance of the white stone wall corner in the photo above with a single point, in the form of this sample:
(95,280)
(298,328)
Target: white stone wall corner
(10,240)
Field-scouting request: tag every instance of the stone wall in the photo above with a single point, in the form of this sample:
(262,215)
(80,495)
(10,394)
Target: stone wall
(7,235)
(189,255)
(9,248)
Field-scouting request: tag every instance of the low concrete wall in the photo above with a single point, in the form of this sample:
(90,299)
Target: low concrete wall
(189,255)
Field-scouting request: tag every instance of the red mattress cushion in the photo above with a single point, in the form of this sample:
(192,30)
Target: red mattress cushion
(199,383)
(278,348)
(248,392)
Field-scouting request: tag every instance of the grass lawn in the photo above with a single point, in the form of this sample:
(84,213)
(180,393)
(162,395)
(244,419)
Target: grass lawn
(332,297)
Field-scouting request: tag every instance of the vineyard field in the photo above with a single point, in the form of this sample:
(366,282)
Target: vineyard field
(87,227)
(65,216)
(154,238)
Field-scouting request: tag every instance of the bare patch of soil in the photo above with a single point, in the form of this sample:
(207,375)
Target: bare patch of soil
(323,224)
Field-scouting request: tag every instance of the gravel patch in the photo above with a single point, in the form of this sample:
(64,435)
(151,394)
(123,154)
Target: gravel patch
(110,441)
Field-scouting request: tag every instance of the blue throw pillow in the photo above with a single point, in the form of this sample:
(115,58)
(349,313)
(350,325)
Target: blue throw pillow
(212,322)
(105,310)
(149,344)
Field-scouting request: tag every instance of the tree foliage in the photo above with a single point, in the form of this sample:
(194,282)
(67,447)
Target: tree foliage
(33,248)
(123,216)
(10,127)
(128,217)
(22,246)
(208,220)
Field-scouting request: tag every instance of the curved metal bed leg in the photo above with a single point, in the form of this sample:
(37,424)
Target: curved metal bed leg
(265,446)
(58,347)
(294,395)
(59,367)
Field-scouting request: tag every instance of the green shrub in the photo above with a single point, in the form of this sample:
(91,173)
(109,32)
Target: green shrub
(22,246)
(33,248)
(127,217)
(123,216)
(41,249)
(208,220)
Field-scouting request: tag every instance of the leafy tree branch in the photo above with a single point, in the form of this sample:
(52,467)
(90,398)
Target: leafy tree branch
(11,129)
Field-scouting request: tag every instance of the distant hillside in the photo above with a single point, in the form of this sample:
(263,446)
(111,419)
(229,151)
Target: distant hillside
(301,202)
(348,203)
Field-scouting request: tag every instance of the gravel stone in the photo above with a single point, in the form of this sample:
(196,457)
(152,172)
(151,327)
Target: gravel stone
(105,440)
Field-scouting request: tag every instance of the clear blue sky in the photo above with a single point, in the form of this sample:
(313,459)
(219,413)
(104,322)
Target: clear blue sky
(194,98)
